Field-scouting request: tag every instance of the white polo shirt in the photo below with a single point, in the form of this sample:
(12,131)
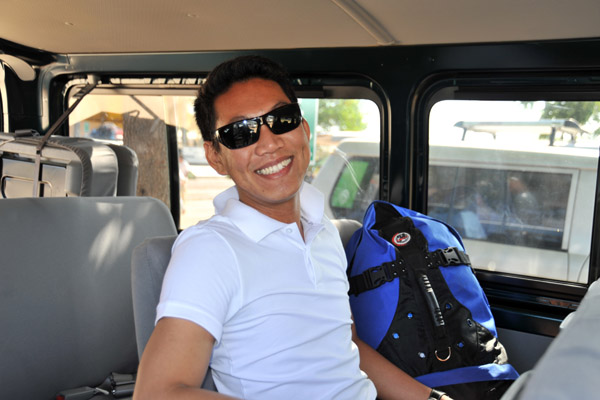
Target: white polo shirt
(276,304)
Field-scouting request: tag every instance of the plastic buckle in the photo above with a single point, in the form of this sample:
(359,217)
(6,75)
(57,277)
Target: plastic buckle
(378,276)
(450,256)
(117,379)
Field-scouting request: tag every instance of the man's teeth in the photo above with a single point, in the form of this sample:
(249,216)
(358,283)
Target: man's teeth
(273,169)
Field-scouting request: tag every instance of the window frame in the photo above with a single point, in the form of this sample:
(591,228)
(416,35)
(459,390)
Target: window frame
(118,84)
(313,87)
(3,100)
(536,305)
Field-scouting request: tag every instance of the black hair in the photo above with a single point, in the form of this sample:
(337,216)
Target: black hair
(223,76)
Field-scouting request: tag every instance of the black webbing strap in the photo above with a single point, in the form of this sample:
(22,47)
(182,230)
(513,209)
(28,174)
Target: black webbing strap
(447,257)
(38,151)
(376,276)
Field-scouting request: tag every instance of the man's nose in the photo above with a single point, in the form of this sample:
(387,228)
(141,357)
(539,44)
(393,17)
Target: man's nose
(268,141)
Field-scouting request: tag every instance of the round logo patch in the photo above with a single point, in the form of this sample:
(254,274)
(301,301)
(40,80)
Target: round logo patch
(401,239)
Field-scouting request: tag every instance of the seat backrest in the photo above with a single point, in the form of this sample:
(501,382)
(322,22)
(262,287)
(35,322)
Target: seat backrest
(569,367)
(149,263)
(65,289)
(128,169)
(70,166)
(346,227)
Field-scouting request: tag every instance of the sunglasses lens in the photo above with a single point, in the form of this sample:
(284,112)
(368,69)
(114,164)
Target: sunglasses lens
(284,119)
(239,134)
(246,132)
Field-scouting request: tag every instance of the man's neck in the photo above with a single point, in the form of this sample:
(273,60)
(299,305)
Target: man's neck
(287,212)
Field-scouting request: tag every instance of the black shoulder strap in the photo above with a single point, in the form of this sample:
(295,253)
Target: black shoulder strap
(374,277)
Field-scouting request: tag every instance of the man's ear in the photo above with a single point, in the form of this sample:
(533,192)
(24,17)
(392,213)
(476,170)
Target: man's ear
(214,158)
(306,128)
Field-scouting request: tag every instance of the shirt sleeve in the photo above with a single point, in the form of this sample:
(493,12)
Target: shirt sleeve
(202,282)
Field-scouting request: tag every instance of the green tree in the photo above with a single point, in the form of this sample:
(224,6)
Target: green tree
(581,111)
(345,114)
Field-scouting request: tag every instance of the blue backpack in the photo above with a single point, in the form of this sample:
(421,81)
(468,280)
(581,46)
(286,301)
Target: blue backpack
(415,299)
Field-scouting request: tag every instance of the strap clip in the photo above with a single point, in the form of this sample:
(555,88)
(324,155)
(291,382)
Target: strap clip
(374,277)
(447,257)
(377,276)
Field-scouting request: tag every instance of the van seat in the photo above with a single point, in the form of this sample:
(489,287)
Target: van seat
(149,263)
(128,163)
(71,166)
(65,289)
(346,227)
(569,367)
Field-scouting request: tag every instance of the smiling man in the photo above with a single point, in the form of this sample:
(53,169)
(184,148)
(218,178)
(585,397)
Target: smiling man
(259,291)
(269,173)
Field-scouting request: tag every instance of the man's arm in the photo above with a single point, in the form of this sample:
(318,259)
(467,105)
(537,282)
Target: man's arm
(390,381)
(175,362)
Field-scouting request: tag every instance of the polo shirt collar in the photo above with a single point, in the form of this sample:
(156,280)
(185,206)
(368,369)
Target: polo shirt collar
(256,225)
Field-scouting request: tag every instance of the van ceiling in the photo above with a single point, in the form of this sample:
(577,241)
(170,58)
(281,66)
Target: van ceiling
(123,26)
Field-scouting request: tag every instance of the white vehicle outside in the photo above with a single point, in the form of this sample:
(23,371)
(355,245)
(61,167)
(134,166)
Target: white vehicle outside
(521,211)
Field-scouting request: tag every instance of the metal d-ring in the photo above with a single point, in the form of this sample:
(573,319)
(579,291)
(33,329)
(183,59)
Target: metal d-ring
(444,359)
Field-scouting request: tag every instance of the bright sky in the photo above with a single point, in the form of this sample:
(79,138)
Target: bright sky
(445,114)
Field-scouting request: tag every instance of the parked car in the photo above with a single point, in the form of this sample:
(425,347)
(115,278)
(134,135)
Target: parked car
(194,155)
(508,204)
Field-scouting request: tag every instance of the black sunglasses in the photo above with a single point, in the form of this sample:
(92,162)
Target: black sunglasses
(247,131)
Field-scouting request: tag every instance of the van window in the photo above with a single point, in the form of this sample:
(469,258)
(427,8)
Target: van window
(503,206)
(151,122)
(517,183)
(355,188)
(346,169)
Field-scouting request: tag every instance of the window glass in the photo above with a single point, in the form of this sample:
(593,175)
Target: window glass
(356,187)
(149,124)
(349,183)
(517,181)
(346,163)
(502,206)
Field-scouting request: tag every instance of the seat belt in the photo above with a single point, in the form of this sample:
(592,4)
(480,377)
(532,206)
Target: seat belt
(38,158)
(115,386)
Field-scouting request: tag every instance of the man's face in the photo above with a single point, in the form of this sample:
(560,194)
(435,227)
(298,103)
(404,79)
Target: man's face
(268,173)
